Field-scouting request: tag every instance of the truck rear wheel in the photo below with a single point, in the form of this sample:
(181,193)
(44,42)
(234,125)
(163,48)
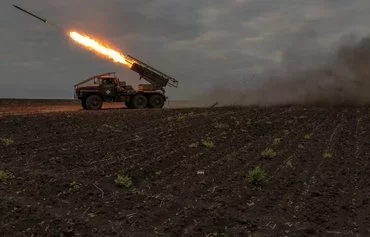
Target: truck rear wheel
(139,101)
(94,102)
(156,101)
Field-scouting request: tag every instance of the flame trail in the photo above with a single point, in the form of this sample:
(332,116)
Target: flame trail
(99,48)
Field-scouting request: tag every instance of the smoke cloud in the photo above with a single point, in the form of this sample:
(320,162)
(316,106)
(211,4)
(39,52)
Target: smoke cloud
(307,74)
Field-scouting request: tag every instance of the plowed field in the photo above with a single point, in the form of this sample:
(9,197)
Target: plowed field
(186,172)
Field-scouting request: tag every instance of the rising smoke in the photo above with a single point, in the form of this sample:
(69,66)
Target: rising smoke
(309,74)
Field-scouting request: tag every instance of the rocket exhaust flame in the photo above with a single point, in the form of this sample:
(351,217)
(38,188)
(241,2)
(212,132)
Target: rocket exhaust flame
(99,48)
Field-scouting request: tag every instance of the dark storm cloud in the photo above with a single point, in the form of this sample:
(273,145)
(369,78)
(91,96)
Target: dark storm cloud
(202,43)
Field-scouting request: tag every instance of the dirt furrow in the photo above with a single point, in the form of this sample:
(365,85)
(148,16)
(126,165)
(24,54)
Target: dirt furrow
(325,185)
(359,207)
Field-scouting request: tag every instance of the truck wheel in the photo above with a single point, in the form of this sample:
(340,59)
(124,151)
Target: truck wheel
(139,101)
(94,102)
(156,101)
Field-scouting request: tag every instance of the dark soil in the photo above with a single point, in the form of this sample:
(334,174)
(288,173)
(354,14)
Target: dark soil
(58,172)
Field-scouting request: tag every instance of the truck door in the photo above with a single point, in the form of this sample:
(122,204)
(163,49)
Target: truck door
(108,88)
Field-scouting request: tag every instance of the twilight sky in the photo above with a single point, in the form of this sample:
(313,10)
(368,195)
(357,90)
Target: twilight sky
(202,43)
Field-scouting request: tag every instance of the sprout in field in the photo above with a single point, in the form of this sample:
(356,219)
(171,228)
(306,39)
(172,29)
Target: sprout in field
(5,176)
(7,141)
(268,153)
(327,155)
(123,181)
(208,144)
(74,185)
(257,176)
(194,145)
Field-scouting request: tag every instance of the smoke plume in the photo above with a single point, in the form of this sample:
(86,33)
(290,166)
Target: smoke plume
(307,74)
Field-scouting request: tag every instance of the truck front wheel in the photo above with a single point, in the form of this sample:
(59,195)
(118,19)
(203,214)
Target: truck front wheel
(94,102)
(156,101)
(139,101)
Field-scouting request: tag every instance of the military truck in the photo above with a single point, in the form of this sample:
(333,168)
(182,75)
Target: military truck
(107,87)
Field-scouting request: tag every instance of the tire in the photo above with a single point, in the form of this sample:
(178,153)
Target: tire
(139,101)
(156,101)
(94,102)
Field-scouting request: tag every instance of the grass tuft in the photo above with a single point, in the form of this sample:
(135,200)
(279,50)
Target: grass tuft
(5,176)
(208,144)
(7,141)
(257,176)
(327,155)
(269,153)
(74,185)
(123,181)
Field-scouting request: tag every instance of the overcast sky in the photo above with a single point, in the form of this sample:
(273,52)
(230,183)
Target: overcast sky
(200,42)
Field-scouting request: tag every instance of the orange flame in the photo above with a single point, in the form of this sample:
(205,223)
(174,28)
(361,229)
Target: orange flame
(99,48)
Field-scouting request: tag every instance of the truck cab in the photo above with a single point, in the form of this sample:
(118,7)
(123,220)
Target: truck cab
(107,87)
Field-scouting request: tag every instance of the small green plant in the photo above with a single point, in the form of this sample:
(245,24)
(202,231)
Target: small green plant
(289,164)
(277,141)
(194,145)
(308,136)
(7,141)
(181,117)
(208,144)
(91,215)
(5,176)
(123,181)
(268,153)
(74,185)
(257,176)
(327,155)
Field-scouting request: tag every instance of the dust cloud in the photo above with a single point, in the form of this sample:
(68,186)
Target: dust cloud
(308,74)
